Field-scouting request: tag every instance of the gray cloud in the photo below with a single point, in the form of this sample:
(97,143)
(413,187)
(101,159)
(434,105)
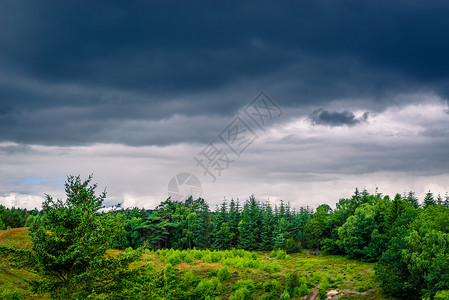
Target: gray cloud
(147,61)
(324,117)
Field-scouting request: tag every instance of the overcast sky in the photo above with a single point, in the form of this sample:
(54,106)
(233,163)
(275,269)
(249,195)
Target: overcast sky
(355,94)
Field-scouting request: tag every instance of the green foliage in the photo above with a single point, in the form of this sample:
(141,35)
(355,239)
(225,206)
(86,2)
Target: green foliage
(281,254)
(312,234)
(224,274)
(280,234)
(330,246)
(223,237)
(291,246)
(355,233)
(208,287)
(12,294)
(174,258)
(71,245)
(285,295)
(442,295)
(392,270)
(243,290)
(324,286)
(292,282)
(429,200)
(409,244)
(303,290)
(249,225)
(271,286)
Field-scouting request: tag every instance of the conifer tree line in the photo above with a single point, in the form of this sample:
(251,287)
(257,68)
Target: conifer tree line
(253,225)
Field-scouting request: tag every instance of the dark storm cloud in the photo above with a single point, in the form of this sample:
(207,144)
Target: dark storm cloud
(86,65)
(324,117)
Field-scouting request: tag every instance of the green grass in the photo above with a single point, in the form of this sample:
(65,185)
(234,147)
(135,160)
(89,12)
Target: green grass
(13,280)
(16,237)
(229,274)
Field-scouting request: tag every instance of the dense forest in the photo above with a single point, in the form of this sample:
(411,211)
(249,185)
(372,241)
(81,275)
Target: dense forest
(408,240)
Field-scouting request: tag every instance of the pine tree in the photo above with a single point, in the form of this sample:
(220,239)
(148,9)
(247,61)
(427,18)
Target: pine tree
(412,199)
(203,225)
(446,200)
(394,211)
(223,237)
(280,234)
(220,217)
(70,247)
(267,228)
(428,200)
(234,219)
(249,226)
(439,200)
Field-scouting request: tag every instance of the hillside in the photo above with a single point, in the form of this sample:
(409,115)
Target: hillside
(226,274)
(14,280)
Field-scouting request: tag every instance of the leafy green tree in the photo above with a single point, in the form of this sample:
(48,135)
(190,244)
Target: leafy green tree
(29,220)
(70,248)
(355,233)
(131,235)
(427,251)
(182,234)
(391,269)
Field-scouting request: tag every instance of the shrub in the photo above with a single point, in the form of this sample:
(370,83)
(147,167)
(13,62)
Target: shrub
(241,294)
(174,258)
(223,274)
(292,282)
(324,286)
(189,280)
(281,254)
(212,273)
(215,256)
(188,258)
(271,286)
(169,275)
(12,295)
(208,287)
(285,295)
(248,283)
(302,290)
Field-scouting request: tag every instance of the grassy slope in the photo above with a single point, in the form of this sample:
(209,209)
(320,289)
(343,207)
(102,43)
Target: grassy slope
(349,279)
(11,278)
